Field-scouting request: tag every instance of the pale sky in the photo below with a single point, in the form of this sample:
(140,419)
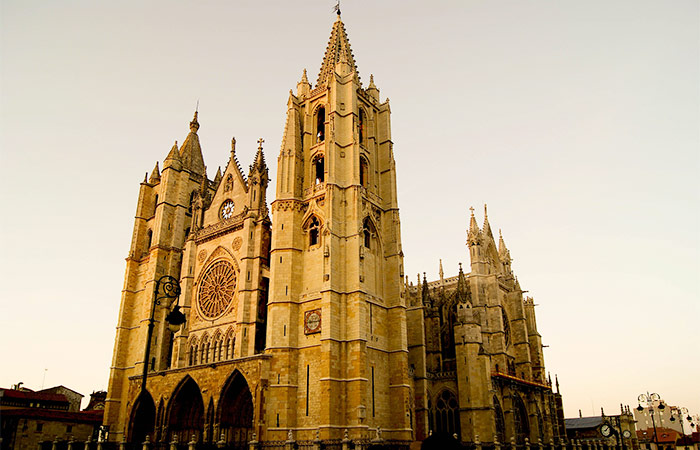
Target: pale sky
(577,122)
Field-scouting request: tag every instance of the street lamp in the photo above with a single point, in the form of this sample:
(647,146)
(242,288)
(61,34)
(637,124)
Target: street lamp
(166,287)
(681,412)
(651,400)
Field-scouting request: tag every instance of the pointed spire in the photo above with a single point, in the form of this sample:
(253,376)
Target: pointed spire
(303,86)
(145,180)
(556,380)
(461,284)
(372,89)
(474,231)
(259,161)
(487,226)
(338,50)
(155,175)
(425,293)
(191,151)
(442,274)
(217,177)
(173,158)
(304,78)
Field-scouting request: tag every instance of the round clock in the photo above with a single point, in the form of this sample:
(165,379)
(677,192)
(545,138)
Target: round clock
(227,209)
(605,430)
(626,434)
(313,321)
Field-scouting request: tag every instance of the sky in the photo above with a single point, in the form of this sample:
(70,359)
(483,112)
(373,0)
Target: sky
(576,122)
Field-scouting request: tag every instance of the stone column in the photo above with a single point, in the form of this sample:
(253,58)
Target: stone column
(71,443)
(193,442)
(512,443)
(540,446)
(54,444)
(527,444)
(496,444)
(87,444)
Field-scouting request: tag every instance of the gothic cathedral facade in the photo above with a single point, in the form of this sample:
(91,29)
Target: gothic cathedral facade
(299,325)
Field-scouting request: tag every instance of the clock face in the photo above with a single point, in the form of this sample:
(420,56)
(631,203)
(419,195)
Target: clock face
(626,434)
(605,430)
(312,321)
(227,209)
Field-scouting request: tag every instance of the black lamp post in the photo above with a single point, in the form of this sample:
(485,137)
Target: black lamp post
(166,287)
(651,400)
(681,412)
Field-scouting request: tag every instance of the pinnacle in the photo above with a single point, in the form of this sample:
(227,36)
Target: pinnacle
(155,175)
(338,50)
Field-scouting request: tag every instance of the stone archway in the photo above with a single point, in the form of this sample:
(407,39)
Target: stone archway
(143,418)
(522,424)
(235,412)
(186,412)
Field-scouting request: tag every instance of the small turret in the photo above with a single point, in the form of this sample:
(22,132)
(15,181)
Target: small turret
(442,274)
(425,293)
(372,89)
(173,159)
(303,86)
(155,175)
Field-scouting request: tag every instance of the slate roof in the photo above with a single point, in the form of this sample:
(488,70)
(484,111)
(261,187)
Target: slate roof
(583,423)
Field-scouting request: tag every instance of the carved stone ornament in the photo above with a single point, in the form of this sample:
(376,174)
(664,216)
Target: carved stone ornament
(236,244)
(217,288)
(229,183)
(202,256)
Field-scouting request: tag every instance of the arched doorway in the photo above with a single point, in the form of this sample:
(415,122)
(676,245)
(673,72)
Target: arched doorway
(236,412)
(186,412)
(143,418)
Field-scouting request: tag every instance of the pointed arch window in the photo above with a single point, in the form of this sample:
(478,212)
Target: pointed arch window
(319,169)
(314,230)
(190,203)
(155,205)
(367,232)
(149,240)
(321,124)
(446,413)
(361,126)
(364,172)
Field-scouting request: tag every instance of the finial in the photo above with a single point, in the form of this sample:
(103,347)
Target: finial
(442,274)
(471,208)
(304,79)
(500,235)
(486,213)
(233,145)
(260,143)
(460,267)
(194,125)
(336,8)
(196,108)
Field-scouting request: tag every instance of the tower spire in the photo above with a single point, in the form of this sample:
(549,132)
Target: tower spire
(191,151)
(338,50)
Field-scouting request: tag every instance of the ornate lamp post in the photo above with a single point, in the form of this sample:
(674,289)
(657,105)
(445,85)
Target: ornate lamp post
(166,287)
(650,401)
(681,412)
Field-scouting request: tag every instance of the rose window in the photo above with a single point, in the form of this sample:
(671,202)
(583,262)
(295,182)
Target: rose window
(216,289)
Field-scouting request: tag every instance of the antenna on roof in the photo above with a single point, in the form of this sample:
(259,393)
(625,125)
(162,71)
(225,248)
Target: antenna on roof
(44,379)
(197,107)
(336,8)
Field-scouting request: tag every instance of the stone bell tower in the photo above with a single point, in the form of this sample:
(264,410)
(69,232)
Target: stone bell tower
(336,311)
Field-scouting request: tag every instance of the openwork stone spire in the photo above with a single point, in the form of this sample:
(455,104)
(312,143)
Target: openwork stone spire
(338,50)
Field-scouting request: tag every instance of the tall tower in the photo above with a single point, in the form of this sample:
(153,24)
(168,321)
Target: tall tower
(336,309)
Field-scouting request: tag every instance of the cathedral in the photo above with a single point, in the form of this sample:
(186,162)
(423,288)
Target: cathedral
(243,327)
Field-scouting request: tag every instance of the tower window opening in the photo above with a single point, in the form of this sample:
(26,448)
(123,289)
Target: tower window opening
(314,228)
(361,126)
(367,232)
(321,124)
(364,173)
(319,170)
(191,203)
(155,205)
(149,239)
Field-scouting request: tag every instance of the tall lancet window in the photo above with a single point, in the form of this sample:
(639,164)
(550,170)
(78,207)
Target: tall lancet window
(321,124)
(361,130)
(364,172)
(319,170)
(313,228)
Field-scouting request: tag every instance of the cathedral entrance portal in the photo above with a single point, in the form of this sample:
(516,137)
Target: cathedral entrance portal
(236,412)
(143,418)
(186,413)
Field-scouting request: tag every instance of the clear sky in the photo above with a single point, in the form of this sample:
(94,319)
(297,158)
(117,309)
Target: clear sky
(576,121)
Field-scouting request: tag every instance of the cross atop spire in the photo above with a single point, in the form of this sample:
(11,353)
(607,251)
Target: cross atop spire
(260,143)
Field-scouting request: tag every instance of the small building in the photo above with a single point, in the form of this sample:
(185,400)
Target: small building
(31,419)
(587,431)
